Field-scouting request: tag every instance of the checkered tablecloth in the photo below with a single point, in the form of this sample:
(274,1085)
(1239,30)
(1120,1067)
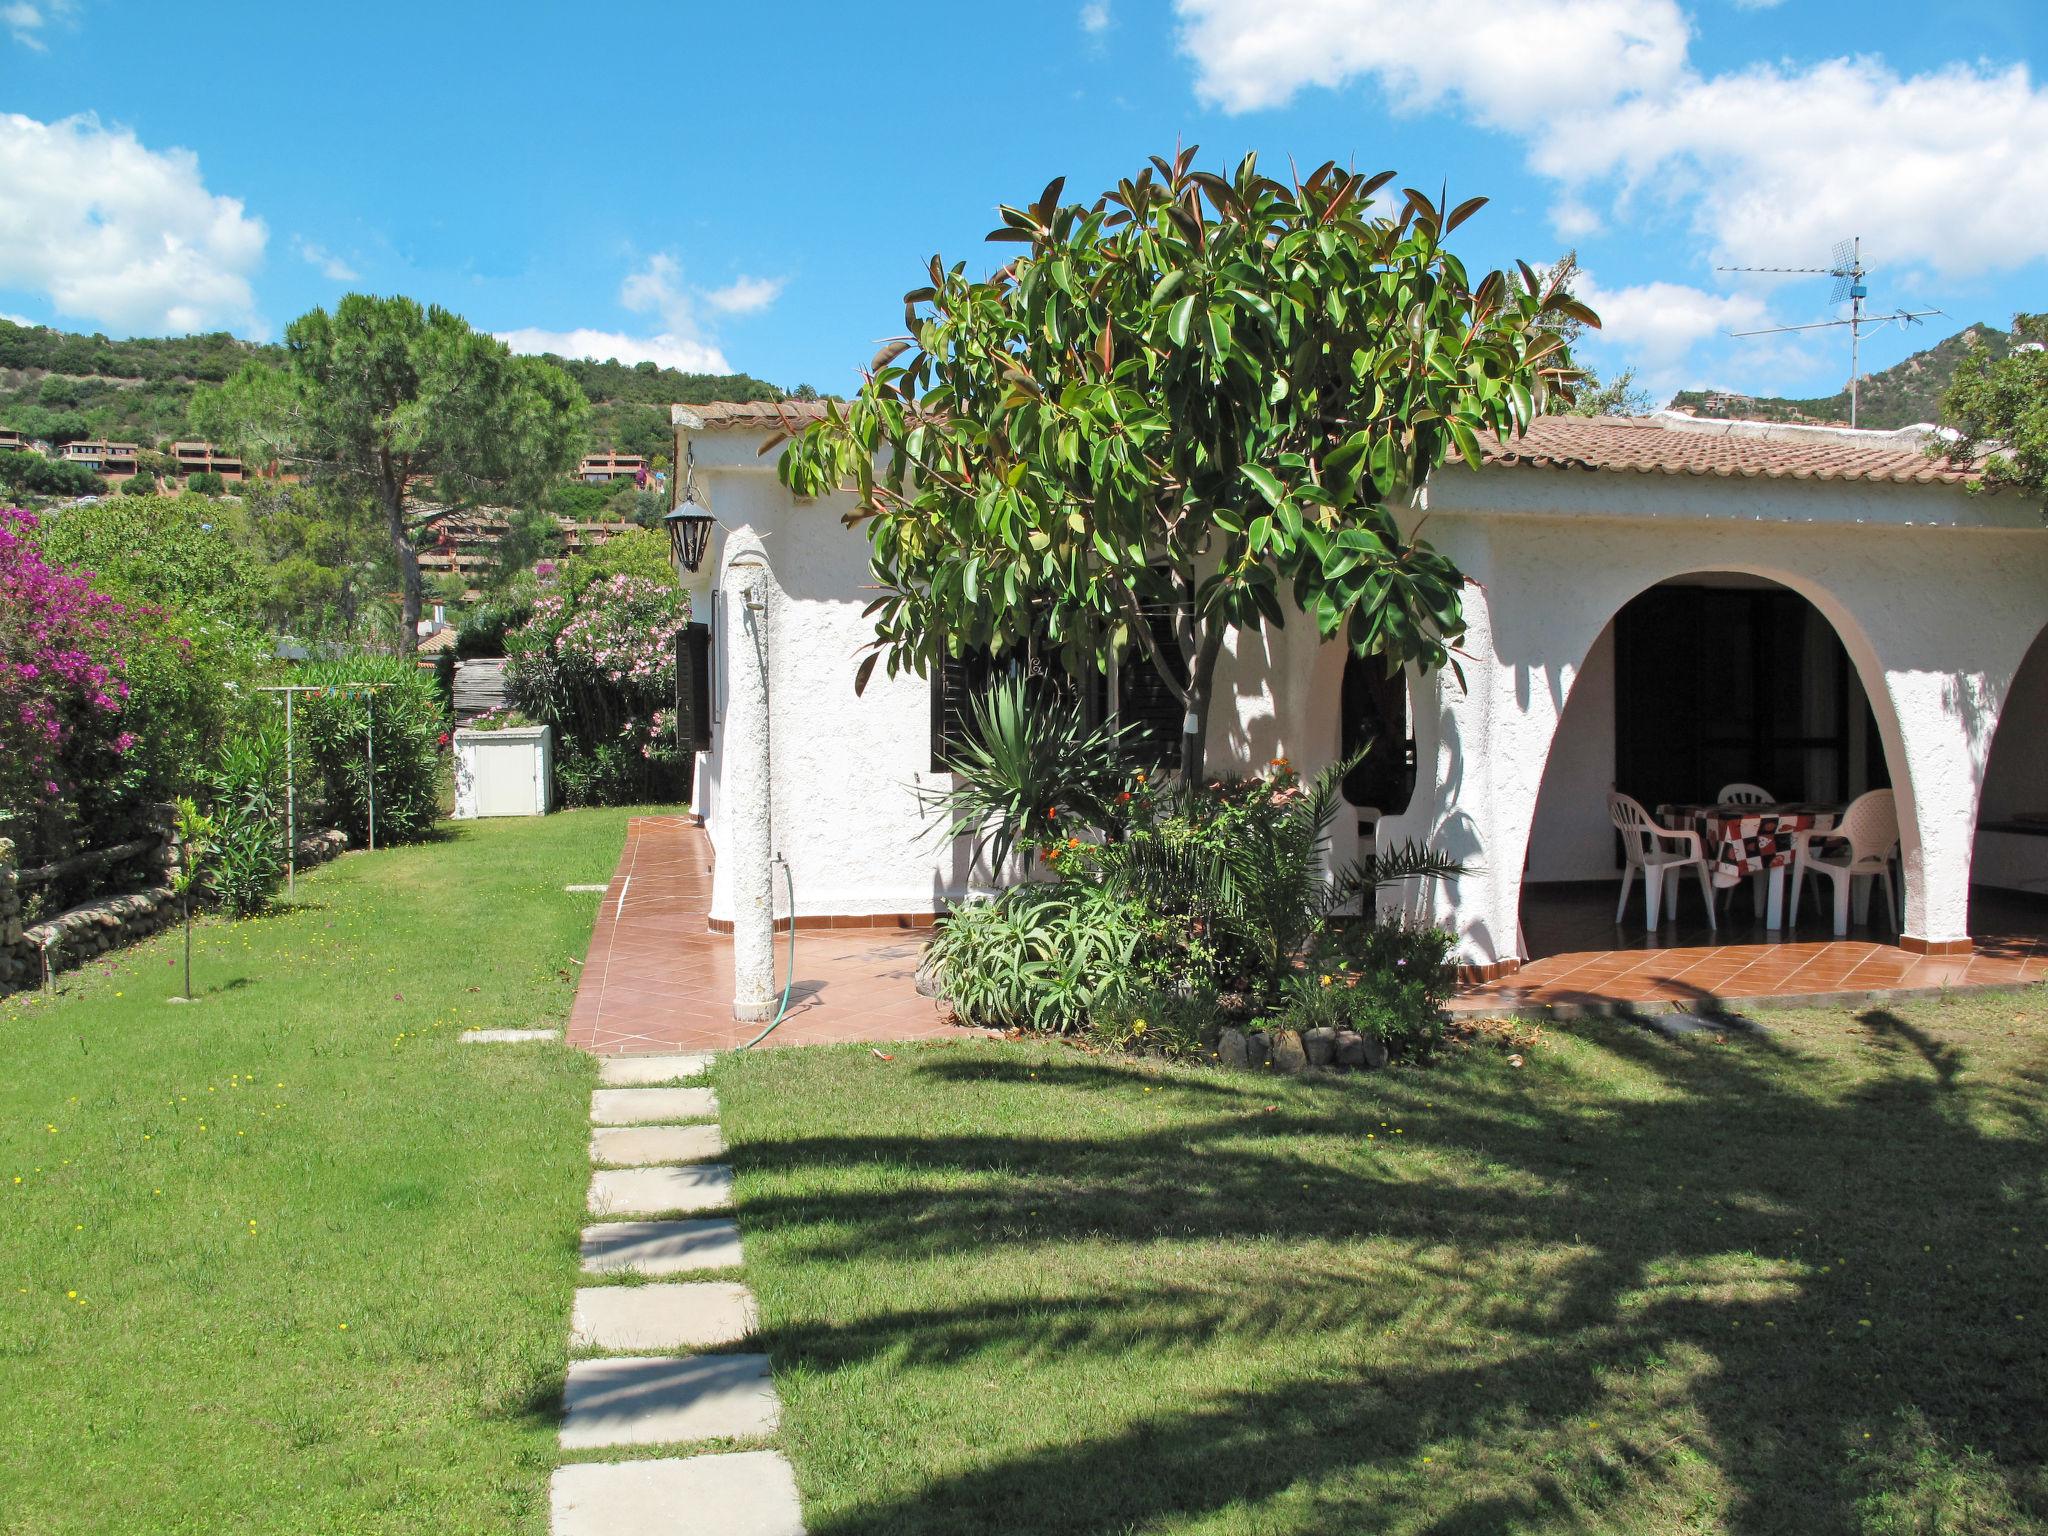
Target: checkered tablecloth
(1744,840)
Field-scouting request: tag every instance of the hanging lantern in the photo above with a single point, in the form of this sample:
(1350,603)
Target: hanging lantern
(689,531)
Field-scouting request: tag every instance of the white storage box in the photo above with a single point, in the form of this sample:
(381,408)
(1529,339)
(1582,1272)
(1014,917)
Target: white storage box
(503,773)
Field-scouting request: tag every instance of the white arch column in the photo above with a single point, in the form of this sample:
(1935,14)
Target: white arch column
(747,782)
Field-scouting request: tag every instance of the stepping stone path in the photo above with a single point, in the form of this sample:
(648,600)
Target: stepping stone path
(663,1364)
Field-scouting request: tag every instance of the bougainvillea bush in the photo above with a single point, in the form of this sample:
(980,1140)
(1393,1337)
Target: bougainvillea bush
(62,692)
(600,667)
(106,706)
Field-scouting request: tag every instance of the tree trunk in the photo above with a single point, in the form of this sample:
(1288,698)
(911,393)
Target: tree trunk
(412,592)
(1201,675)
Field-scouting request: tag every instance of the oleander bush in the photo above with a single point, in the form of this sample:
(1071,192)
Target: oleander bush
(338,728)
(598,664)
(250,825)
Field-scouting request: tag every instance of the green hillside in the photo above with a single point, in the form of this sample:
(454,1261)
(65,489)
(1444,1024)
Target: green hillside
(63,386)
(1898,396)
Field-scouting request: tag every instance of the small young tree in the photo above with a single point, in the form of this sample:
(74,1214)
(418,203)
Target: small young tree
(387,401)
(194,834)
(1190,398)
(1999,408)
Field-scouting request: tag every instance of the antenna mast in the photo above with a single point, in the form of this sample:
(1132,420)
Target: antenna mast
(1848,271)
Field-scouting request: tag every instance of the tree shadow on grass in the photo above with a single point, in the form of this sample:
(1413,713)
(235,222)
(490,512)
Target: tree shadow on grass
(1765,1296)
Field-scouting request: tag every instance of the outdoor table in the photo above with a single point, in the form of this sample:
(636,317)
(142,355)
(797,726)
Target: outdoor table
(1745,840)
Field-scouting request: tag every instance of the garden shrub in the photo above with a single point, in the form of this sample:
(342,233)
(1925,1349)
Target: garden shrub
(1038,956)
(250,825)
(481,635)
(63,696)
(600,668)
(336,730)
(1157,1018)
(178,552)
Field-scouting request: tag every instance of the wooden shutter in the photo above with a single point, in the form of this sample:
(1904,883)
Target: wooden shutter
(956,681)
(693,688)
(1147,709)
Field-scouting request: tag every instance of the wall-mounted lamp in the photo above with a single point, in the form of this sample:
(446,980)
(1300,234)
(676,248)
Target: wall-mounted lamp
(689,531)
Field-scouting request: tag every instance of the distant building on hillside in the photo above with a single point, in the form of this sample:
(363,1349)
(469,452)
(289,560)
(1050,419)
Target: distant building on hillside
(604,467)
(204,458)
(13,442)
(116,461)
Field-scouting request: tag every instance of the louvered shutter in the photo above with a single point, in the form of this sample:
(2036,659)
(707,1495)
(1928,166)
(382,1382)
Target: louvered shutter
(1147,709)
(693,688)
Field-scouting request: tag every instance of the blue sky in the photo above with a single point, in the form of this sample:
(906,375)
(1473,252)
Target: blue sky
(754,186)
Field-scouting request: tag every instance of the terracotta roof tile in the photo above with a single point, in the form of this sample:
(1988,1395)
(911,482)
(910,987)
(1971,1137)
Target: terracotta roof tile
(1666,444)
(1677,445)
(731,415)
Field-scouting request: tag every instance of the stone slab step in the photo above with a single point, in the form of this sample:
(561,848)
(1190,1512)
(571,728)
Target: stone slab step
(638,1146)
(690,1188)
(751,1493)
(508,1036)
(663,1400)
(651,1106)
(706,1314)
(642,1071)
(660,1247)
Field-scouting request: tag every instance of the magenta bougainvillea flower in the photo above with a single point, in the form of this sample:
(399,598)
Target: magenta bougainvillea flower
(60,668)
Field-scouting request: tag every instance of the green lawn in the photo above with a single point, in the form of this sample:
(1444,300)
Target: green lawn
(290,1259)
(1796,1283)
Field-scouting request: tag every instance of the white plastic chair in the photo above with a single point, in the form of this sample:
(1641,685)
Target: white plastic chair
(1869,831)
(1745,794)
(1740,793)
(1642,840)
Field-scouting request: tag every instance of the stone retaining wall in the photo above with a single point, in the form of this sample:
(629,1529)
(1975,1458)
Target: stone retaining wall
(28,954)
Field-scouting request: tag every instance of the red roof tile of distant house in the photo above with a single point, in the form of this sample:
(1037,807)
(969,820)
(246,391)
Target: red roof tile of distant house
(1665,444)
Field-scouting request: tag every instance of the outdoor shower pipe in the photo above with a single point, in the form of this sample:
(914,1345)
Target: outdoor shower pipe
(789,981)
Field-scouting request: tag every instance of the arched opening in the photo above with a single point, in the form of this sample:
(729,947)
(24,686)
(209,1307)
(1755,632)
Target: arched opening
(1700,684)
(2009,874)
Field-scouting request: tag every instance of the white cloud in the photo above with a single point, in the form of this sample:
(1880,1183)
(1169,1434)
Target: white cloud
(1510,63)
(119,234)
(665,350)
(745,295)
(1095,17)
(1770,166)
(329,265)
(1657,327)
(1941,172)
(657,289)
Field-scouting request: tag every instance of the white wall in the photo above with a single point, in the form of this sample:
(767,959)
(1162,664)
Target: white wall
(1571,837)
(844,767)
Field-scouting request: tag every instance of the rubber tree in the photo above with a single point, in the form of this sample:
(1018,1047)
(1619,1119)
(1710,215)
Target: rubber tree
(408,410)
(1193,398)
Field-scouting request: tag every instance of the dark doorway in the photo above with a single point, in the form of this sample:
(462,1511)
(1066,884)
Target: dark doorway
(1737,682)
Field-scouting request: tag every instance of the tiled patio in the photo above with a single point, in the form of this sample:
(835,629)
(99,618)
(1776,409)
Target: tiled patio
(1586,963)
(657,979)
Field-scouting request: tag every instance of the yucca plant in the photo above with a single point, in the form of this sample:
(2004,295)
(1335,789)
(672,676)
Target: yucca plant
(1028,760)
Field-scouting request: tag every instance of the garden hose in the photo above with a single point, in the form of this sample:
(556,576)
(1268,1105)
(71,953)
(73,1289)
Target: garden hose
(789,982)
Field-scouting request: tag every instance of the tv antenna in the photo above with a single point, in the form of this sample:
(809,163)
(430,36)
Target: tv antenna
(1848,271)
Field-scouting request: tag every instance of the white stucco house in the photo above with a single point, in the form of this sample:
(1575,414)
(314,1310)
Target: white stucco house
(1658,603)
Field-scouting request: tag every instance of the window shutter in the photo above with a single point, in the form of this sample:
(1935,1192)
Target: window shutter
(956,681)
(693,688)
(1145,707)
